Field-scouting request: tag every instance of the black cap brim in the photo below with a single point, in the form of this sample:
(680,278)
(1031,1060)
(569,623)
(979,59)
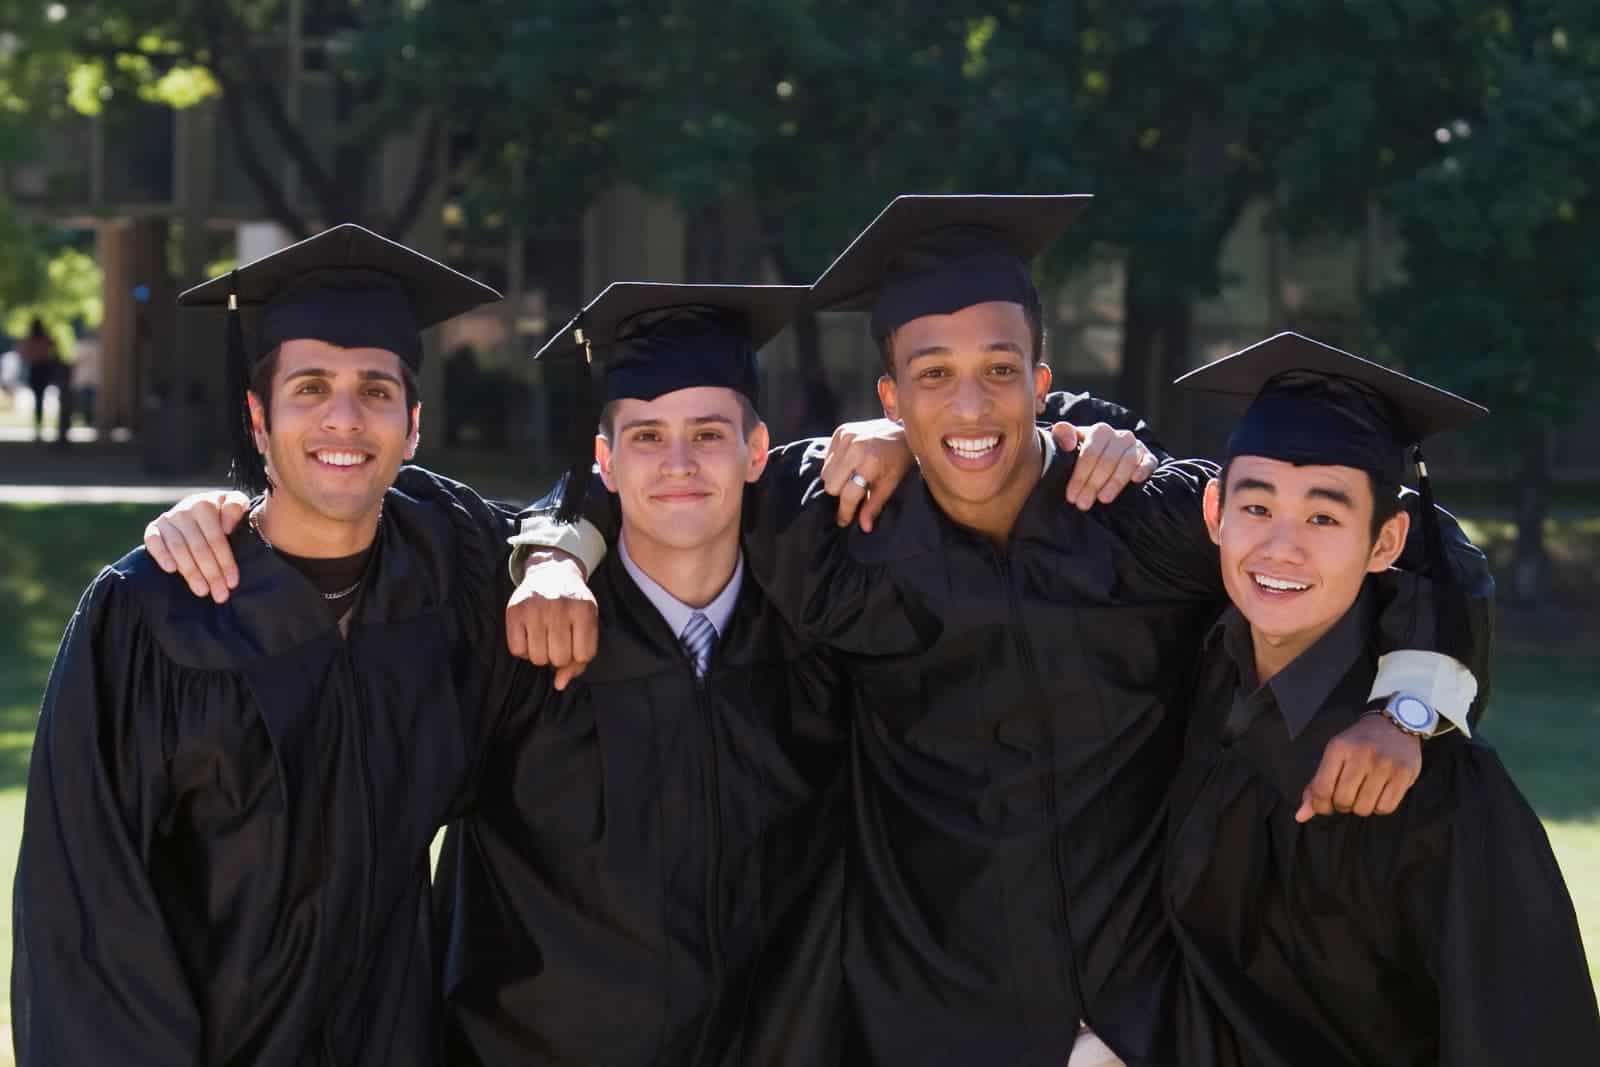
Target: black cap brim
(1424,410)
(436,292)
(765,310)
(1022,225)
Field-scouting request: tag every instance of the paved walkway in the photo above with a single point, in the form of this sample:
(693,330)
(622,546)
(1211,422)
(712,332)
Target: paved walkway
(108,472)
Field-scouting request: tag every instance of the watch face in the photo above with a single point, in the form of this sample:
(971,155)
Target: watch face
(1413,713)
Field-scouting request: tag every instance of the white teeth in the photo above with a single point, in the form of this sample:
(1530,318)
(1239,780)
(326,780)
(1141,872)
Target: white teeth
(342,459)
(1278,583)
(971,447)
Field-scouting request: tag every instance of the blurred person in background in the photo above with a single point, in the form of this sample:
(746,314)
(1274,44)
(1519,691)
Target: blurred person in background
(85,372)
(44,365)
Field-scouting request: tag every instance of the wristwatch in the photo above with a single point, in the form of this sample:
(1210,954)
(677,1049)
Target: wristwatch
(1410,714)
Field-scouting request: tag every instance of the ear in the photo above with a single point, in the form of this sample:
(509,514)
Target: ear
(1390,542)
(1041,386)
(1211,506)
(888,396)
(258,421)
(760,444)
(414,438)
(603,456)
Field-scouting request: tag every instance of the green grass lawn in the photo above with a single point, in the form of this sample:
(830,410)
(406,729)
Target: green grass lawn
(1545,718)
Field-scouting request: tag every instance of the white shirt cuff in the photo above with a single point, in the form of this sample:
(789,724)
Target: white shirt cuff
(1440,680)
(580,539)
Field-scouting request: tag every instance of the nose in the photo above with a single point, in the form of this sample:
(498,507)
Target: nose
(971,400)
(343,412)
(1283,541)
(679,461)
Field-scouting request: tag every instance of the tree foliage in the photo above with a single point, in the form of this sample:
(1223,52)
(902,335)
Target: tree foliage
(781,126)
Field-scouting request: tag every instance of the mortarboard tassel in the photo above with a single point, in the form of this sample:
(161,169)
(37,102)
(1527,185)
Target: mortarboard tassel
(1453,632)
(249,470)
(580,448)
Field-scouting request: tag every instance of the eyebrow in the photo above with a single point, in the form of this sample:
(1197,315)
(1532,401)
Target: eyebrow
(944,350)
(1337,496)
(323,372)
(1254,483)
(698,420)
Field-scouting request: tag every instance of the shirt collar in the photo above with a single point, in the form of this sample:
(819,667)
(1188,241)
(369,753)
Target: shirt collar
(1048,440)
(675,611)
(1304,686)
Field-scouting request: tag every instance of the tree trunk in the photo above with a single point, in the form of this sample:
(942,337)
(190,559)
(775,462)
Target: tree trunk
(810,380)
(1530,567)
(1177,328)
(1157,326)
(1140,328)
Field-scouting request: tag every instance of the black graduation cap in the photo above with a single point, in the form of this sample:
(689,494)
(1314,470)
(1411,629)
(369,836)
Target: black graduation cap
(347,286)
(1313,403)
(1316,404)
(934,254)
(653,338)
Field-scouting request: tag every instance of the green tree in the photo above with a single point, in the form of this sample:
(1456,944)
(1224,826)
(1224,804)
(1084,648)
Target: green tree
(99,51)
(1501,297)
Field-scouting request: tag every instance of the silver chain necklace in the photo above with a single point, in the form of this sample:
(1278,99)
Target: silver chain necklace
(255,525)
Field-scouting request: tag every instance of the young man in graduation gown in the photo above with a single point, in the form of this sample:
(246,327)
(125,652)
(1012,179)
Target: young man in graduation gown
(1442,935)
(652,870)
(224,854)
(653,867)
(1019,665)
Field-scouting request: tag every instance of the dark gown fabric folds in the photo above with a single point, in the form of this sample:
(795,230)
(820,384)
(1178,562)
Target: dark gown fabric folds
(225,848)
(1019,718)
(653,869)
(1440,935)
(1021,713)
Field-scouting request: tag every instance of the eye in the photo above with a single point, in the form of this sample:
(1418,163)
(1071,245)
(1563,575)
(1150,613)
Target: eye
(378,392)
(646,437)
(1003,370)
(708,435)
(933,373)
(1321,519)
(1258,510)
(309,387)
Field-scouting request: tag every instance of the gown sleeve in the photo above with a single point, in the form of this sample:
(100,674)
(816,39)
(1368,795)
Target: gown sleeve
(809,567)
(1081,409)
(493,686)
(96,976)
(1450,672)
(1479,885)
(587,539)
(1162,524)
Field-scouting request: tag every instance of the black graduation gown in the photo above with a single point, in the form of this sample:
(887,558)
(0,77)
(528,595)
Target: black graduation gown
(225,848)
(1440,935)
(1021,715)
(653,868)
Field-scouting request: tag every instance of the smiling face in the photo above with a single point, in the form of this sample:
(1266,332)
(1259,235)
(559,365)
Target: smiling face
(339,430)
(967,389)
(679,465)
(1296,543)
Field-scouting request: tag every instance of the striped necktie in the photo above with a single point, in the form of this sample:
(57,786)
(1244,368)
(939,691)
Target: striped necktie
(697,638)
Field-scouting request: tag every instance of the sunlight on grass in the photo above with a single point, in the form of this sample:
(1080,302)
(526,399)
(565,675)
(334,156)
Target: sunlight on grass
(10,837)
(1577,846)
